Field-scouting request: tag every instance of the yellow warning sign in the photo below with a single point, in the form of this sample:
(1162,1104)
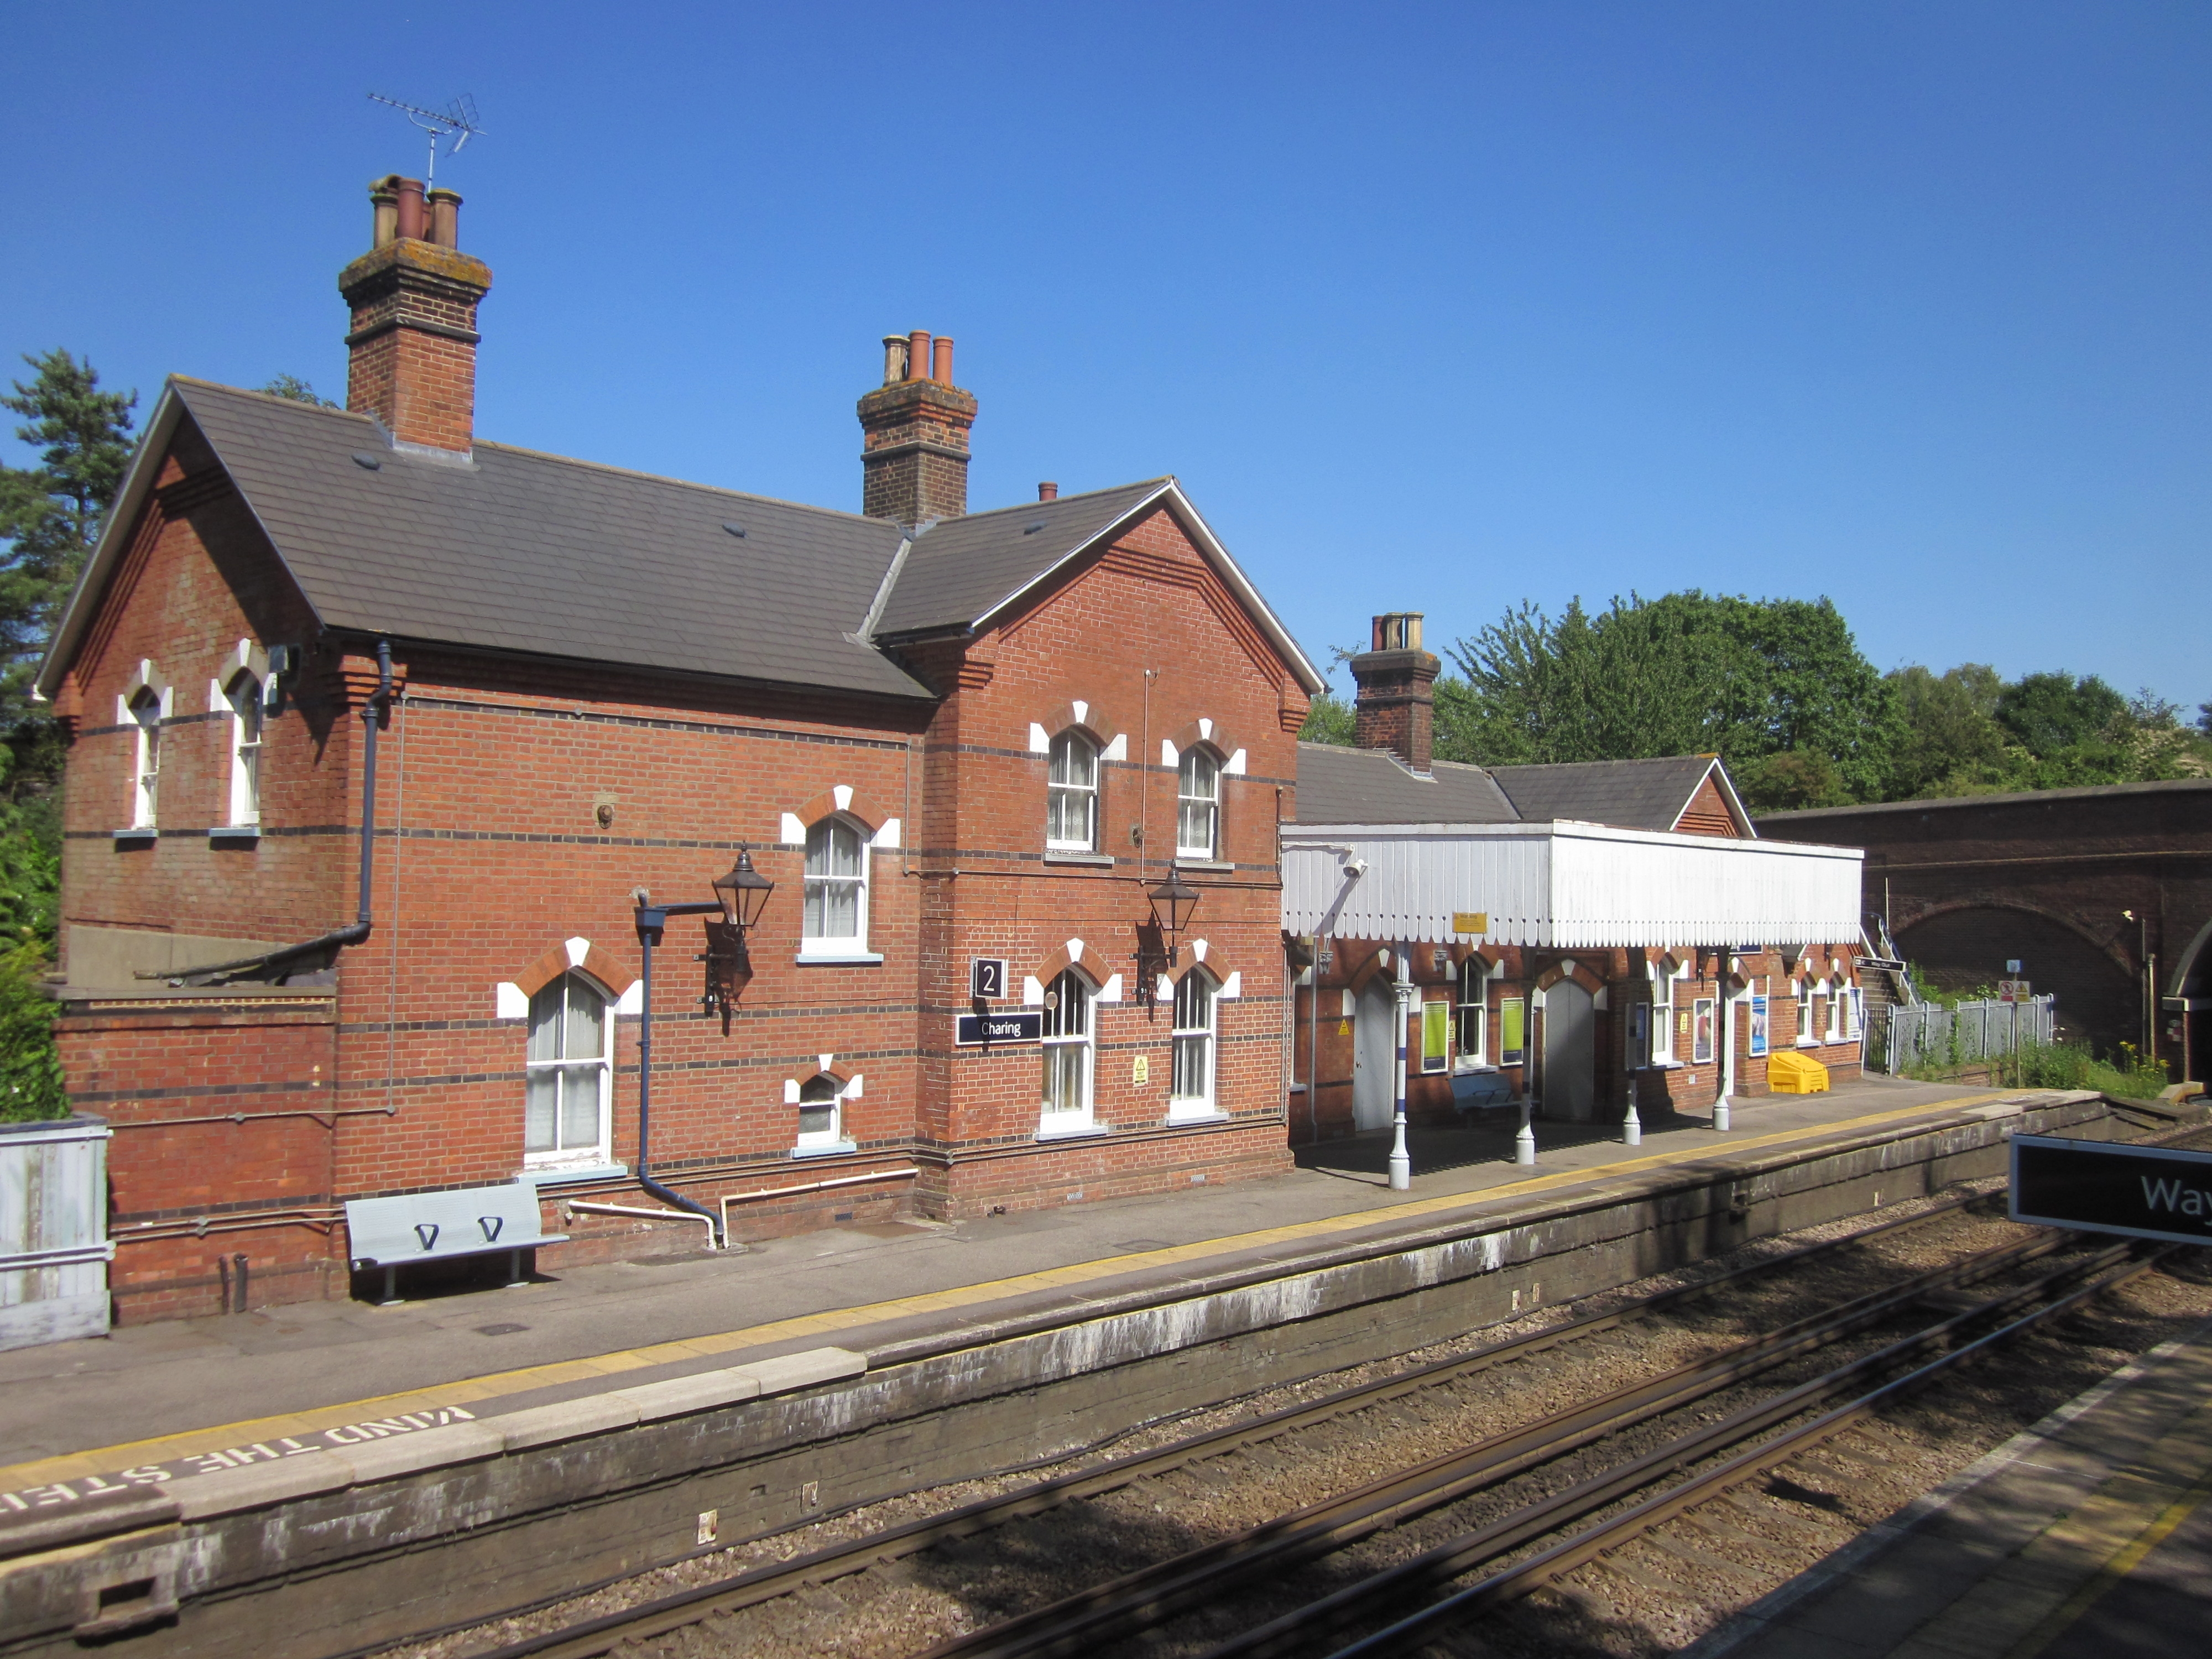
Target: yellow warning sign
(1470,921)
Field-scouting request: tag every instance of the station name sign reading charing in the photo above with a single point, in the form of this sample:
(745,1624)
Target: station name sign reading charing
(2141,1191)
(989,1030)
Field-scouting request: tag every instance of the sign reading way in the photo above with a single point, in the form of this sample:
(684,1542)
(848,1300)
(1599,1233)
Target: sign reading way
(986,1030)
(2144,1191)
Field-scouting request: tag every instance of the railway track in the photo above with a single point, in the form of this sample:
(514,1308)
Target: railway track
(1100,1616)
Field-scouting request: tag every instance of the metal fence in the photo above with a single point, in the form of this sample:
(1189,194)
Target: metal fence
(54,1249)
(1926,1034)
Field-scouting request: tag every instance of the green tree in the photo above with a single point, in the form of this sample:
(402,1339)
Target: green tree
(1328,720)
(1685,673)
(2048,713)
(1949,741)
(50,515)
(292,386)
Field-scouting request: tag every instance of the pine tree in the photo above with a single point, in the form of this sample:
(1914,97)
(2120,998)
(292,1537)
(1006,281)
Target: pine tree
(52,513)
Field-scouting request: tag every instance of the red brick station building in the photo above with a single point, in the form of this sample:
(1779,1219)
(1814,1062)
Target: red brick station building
(380,730)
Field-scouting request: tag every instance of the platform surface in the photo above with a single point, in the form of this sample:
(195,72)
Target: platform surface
(2085,1538)
(163,1394)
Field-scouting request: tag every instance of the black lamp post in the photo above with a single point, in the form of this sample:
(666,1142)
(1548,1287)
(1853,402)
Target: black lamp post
(739,898)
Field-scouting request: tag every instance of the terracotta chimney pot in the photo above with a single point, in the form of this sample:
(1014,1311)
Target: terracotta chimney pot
(383,204)
(1047,492)
(412,216)
(917,354)
(446,217)
(942,372)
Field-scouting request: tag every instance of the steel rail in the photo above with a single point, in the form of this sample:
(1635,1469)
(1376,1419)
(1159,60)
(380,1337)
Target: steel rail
(1153,1593)
(1298,1631)
(600,1635)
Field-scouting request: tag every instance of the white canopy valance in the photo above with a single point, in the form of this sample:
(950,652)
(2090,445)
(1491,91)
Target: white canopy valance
(1564,884)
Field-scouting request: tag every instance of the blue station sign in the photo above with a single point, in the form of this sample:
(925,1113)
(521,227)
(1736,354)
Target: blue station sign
(990,1031)
(2101,1186)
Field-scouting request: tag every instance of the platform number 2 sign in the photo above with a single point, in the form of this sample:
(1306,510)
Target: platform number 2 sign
(987,978)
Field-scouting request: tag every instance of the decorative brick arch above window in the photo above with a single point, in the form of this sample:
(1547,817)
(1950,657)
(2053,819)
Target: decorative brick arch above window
(841,801)
(574,955)
(1229,983)
(1084,716)
(1077,955)
(1487,957)
(1206,733)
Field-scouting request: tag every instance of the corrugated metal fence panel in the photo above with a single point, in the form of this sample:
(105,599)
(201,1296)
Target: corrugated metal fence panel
(1927,1034)
(54,1249)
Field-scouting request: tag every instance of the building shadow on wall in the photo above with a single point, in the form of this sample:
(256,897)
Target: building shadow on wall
(1487,1139)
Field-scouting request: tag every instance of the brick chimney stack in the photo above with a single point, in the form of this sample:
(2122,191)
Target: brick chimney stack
(414,299)
(1395,705)
(914,455)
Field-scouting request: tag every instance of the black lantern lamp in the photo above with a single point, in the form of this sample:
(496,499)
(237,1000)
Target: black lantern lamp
(744,892)
(1172,905)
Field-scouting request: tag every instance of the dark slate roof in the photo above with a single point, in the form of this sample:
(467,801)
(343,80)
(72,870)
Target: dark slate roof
(521,552)
(1631,794)
(960,570)
(1369,785)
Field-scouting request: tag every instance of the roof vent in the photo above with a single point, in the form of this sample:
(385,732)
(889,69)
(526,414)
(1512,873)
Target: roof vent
(373,463)
(737,529)
(1032,529)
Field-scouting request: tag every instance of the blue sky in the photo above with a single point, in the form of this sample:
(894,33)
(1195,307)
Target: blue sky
(1430,307)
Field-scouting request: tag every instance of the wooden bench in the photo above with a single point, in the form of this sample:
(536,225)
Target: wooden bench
(390,1232)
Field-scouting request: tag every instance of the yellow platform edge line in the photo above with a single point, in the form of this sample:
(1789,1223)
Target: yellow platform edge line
(184,1442)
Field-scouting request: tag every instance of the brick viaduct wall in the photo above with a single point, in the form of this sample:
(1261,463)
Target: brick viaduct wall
(2047,878)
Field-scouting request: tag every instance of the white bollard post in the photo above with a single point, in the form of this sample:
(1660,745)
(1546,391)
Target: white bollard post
(1632,1127)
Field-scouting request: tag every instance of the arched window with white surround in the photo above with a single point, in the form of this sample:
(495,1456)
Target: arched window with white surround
(1071,811)
(1068,1054)
(242,696)
(1190,1091)
(1471,1017)
(1198,804)
(1663,972)
(146,711)
(837,901)
(820,1102)
(569,1087)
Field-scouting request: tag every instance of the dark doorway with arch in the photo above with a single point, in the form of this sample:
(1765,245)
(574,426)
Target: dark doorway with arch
(1962,951)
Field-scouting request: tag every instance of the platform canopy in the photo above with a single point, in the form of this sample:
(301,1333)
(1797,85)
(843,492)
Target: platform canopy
(1564,884)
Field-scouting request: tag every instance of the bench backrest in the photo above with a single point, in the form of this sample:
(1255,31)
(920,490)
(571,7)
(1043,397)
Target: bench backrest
(422,1226)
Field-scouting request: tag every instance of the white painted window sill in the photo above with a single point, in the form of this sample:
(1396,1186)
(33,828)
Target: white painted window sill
(1077,855)
(140,832)
(553,1174)
(827,1149)
(1202,861)
(839,959)
(1073,1132)
(1472,1069)
(1182,1117)
(1664,1066)
(244,833)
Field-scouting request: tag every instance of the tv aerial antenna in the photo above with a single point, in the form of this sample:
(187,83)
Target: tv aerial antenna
(457,121)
